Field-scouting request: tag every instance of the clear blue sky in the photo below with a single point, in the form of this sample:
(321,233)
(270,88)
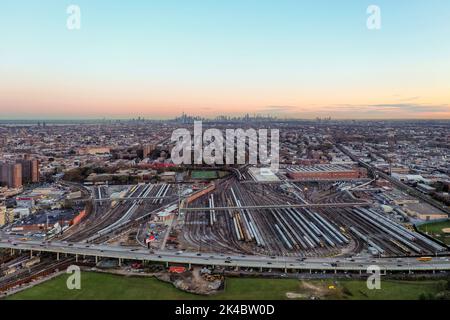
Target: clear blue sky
(288,57)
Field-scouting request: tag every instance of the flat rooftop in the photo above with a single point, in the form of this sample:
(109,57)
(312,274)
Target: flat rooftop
(320,168)
(263,174)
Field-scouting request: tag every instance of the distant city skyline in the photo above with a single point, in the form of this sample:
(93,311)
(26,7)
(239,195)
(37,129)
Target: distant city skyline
(288,58)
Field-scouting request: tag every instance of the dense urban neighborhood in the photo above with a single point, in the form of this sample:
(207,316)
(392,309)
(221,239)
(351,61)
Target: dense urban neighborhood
(106,195)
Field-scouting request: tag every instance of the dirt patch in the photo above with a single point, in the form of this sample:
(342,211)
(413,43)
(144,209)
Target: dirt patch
(191,281)
(294,295)
(319,290)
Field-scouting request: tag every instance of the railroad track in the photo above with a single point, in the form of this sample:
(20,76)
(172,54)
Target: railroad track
(280,233)
(27,275)
(121,213)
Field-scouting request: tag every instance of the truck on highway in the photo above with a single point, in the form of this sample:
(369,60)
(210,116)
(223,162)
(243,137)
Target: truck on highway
(424,259)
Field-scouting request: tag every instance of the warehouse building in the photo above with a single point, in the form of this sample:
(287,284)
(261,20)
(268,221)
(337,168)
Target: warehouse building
(424,211)
(324,172)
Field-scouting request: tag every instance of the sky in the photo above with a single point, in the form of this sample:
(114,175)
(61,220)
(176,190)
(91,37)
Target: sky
(288,58)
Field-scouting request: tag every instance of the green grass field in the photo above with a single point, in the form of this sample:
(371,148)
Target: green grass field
(393,290)
(434,229)
(204,175)
(98,286)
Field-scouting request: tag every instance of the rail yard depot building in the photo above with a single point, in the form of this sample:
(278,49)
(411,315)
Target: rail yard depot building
(324,172)
(424,211)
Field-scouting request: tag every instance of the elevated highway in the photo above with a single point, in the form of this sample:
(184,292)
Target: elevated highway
(237,261)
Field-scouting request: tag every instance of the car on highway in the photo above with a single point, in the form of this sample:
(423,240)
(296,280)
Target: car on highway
(199,254)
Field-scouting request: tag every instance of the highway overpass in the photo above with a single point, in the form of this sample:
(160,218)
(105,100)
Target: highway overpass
(358,265)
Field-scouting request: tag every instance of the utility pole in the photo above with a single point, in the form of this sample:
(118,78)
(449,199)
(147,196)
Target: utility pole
(46,225)
(179,198)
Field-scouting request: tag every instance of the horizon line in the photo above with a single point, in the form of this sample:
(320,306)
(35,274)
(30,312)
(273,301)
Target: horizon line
(212,118)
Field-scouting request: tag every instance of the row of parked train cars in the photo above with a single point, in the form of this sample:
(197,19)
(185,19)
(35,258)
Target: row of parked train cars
(23,263)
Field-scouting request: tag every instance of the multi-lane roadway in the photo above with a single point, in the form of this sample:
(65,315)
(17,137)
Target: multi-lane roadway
(407,264)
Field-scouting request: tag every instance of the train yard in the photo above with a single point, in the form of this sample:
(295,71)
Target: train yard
(304,232)
(250,218)
(230,217)
(107,216)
